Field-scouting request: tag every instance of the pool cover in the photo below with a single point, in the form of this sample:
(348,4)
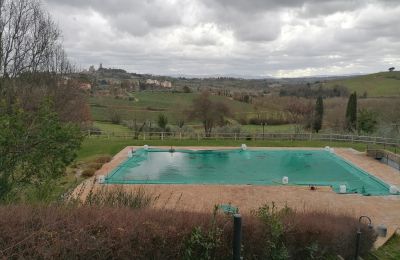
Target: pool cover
(255,167)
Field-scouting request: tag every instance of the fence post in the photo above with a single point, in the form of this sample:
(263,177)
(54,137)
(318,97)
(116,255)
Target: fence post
(88,132)
(237,236)
(144,136)
(162,136)
(235,136)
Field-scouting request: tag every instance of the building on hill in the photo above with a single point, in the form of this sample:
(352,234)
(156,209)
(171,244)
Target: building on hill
(163,84)
(92,70)
(166,84)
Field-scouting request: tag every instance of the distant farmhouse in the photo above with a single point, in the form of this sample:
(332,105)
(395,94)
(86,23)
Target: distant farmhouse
(163,84)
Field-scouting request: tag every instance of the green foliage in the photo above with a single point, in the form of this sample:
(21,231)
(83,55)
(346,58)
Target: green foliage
(351,113)
(186,89)
(273,219)
(319,114)
(162,121)
(367,121)
(35,147)
(389,251)
(115,117)
(204,244)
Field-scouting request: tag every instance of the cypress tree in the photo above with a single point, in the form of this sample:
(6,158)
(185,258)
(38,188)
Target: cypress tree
(351,113)
(319,114)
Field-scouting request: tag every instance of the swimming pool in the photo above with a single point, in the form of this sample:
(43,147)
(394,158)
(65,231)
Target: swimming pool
(245,167)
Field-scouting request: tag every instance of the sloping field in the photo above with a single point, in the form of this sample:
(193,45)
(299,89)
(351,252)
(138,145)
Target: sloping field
(148,105)
(383,84)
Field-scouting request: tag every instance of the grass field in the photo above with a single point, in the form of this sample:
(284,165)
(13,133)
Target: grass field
(268,128)
(384,84)
(148,105)
(114,128)
(108,127)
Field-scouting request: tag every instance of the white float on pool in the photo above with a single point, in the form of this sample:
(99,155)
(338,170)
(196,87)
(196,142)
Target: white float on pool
(342,189)
(101,179)
(146,147)
(244,147)
(130,154)
(327,148)
(393,189)
(285,180)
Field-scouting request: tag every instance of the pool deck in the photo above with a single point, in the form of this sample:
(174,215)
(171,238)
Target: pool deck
(382,209)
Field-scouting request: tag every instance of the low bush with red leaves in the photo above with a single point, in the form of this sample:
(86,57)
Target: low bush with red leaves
(92,232)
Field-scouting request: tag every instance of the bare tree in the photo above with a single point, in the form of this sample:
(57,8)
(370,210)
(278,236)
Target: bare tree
(209,112)
(300,112)
(29,40)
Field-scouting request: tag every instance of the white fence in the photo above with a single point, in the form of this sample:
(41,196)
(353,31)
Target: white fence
(248,136)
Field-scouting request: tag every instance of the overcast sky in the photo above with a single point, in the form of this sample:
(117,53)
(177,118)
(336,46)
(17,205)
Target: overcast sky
(281,38)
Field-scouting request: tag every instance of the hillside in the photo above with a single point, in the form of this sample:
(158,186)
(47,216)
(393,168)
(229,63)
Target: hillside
(383,84)
(148,105)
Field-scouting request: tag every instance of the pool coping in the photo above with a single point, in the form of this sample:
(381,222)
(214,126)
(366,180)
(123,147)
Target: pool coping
(339,156)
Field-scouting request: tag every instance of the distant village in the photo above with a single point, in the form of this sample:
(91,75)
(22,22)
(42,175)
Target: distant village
(107,77)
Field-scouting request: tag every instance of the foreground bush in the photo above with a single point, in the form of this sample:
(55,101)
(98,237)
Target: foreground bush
(108,233)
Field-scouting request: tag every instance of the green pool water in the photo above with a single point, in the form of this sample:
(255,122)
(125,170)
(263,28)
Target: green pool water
(255,167)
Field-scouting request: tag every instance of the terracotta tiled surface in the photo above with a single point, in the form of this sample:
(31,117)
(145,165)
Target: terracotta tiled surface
(381,209)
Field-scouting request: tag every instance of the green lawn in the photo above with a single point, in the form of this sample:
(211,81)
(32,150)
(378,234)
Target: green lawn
(108,127)
(384,84)
(389,251)
(92,147)
(268,128)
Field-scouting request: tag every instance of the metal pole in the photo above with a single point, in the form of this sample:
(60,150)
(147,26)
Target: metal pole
(263,130)
(358,237)
(237,236)
(357,244)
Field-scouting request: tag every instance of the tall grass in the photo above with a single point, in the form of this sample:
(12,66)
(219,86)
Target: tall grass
(93,195)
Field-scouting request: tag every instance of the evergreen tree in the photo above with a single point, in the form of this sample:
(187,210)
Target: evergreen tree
(367,121)
(162,121)
(351,113)
(319,114)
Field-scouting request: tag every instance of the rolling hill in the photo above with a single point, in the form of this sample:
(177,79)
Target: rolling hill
(383,84)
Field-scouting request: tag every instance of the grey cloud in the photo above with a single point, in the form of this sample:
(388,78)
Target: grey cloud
(259,37)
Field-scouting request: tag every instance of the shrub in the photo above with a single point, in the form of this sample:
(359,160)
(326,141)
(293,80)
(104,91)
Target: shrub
(88,172)
(94,130)
(103,159)
(234,129)
(115,231)
(114,116)
(94,165)
(109,197)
